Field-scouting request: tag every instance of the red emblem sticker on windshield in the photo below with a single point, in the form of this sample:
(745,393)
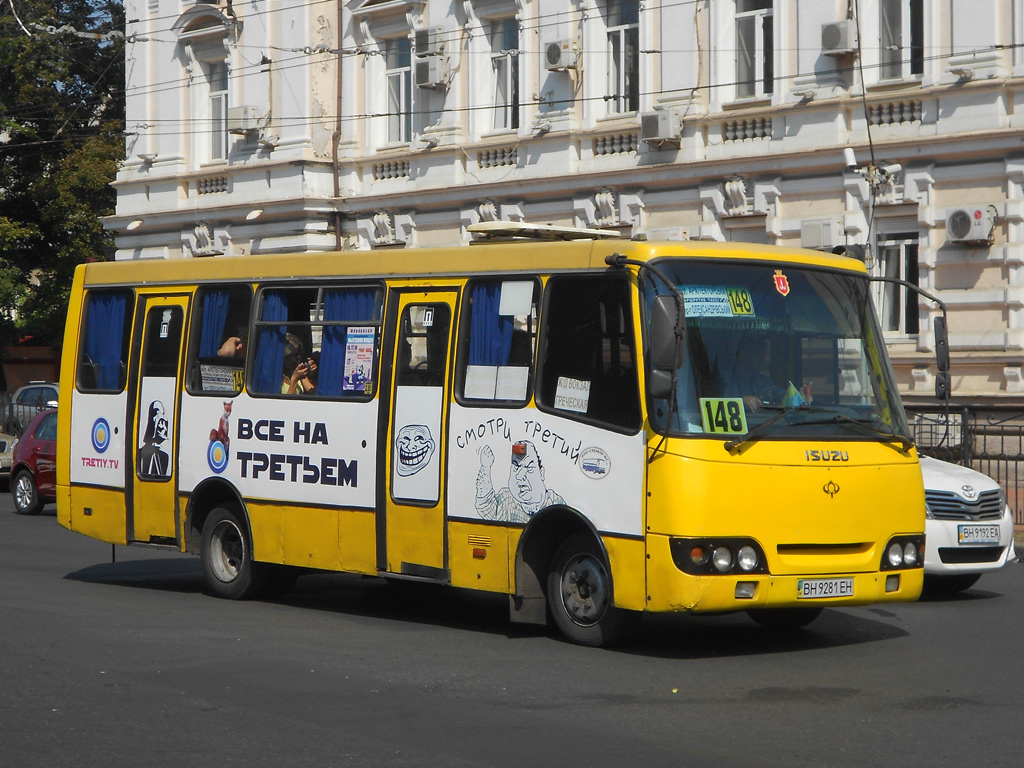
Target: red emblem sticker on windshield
(781,283)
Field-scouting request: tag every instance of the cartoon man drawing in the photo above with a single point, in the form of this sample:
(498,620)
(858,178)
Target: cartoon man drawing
(527,492)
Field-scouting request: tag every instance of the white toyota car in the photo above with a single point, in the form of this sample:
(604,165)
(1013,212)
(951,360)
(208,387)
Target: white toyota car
(969,526)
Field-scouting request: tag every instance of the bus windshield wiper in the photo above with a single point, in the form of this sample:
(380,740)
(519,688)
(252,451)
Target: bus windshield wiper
(761,428)
(841,418)
(891,437)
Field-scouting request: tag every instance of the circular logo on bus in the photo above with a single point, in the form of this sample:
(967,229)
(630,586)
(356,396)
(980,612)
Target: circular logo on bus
(100,435)
(217,456)
(594,463)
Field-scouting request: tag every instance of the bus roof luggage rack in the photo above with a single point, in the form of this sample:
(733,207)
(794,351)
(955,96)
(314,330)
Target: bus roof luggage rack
(519,230)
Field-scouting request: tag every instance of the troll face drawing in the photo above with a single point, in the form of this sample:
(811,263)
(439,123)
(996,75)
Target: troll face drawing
(414,446)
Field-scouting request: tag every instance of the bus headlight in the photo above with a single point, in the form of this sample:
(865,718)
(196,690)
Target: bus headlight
(903,552)
(910,554)
(895,555)
(722,559)
(746,558)
(701,556)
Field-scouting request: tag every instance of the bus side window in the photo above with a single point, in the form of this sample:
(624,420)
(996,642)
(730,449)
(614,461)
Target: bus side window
(333,329)
(588,354)
(106,338)
(500,318)
(423,346)
(220,339)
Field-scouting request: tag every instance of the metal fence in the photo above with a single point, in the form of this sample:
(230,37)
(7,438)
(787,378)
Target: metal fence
(990,440)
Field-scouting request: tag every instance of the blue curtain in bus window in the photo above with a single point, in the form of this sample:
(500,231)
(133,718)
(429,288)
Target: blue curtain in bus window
(353,306)
(490,334)
(104,337)
(267,371)
(215,314)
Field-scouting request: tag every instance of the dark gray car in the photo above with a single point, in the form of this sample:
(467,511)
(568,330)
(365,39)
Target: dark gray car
(29,400)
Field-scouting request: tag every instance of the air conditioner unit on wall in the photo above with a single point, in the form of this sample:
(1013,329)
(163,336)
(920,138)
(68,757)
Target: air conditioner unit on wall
(839,38)
(432,72)
(660,127)
(822,234)
(429,42)
(971,225)
(244,119)
(559,55)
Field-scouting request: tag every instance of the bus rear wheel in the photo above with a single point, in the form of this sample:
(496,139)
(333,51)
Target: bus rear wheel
(226,554)
(580,595)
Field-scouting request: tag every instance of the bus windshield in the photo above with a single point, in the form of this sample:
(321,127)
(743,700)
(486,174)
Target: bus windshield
(790,351)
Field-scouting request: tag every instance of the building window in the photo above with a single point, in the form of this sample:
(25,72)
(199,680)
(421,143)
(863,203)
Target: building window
(901,37)
(217,80)
(505,65)
(755,48)
(398,60)
(623,56)
(896,305)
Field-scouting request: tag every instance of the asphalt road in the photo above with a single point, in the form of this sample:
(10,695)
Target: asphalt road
(129,663)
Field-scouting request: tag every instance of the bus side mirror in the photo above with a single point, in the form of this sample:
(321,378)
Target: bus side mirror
(941,344)
(659,384)
(668,352)
(942,385)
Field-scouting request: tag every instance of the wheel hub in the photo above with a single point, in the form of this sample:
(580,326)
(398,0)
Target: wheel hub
(584,590)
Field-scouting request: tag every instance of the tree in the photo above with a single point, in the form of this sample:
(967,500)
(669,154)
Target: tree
(61,123)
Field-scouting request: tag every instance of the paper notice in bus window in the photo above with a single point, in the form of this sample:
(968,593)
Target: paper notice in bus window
(217,378)
(481,381)
(572,395)
(717,301)
(358,358)
(516,297)
(513,382)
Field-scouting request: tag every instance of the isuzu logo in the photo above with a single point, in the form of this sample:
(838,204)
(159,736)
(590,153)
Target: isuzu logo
(817,455)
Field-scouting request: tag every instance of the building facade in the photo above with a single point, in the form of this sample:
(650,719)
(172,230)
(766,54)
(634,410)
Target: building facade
(289,126)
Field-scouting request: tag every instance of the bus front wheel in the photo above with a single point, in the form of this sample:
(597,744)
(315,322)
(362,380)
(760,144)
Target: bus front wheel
(580,595)
(226,554)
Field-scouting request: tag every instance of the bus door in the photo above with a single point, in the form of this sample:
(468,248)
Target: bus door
(152,422)
(413,535)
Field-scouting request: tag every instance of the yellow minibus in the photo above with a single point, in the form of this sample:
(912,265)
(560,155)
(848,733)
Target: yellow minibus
(596,428)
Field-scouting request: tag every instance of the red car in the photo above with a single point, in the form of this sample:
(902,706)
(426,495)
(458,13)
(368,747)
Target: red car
(34,465)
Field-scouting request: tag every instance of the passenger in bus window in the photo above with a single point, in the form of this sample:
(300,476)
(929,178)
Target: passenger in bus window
(298,368)
(753,381)
(234,346)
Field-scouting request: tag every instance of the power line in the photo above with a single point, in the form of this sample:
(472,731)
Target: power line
(301,60)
